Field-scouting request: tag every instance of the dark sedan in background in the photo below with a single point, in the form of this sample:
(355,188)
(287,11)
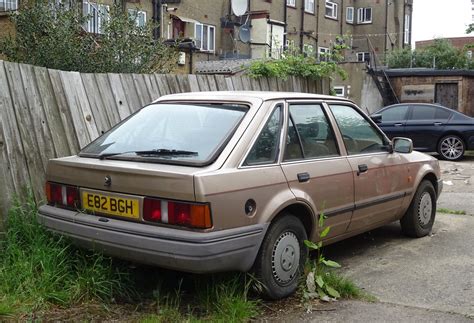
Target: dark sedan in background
(433,128)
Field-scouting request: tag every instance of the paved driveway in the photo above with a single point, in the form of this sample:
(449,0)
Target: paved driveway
(415,280)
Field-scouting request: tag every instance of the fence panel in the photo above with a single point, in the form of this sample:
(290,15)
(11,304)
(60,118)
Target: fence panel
(49,113)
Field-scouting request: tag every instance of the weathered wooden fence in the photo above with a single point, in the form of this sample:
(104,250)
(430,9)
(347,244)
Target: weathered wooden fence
(48,113)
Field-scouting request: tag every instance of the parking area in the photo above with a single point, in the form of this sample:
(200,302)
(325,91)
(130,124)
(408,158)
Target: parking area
(423,280)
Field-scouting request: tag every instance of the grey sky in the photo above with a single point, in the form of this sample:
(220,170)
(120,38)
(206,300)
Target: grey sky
(440,18)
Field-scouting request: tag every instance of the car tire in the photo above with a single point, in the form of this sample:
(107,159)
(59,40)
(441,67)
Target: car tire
(281,257)
(451,147)
(419,218)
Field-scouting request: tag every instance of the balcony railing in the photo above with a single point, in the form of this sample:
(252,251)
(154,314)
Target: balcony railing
(8,5)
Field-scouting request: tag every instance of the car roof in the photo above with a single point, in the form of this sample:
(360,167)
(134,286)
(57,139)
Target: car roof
(247,96)
(439,106)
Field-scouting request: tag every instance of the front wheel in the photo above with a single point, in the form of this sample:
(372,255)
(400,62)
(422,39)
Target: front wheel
(451,147)
(281,258)
(419,218)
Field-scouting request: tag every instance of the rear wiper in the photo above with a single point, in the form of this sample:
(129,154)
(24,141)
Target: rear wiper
(153,152)
(166,152)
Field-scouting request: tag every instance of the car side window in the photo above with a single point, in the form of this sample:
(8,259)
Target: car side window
(309,133)
(395,114)
(442,114)
(359,135)
(265,149)
(423,112)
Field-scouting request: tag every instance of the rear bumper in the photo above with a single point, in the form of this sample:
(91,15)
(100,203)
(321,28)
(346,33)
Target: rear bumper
(189,251)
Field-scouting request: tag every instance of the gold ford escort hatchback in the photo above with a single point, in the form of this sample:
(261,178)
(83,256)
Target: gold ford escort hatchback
(222,181)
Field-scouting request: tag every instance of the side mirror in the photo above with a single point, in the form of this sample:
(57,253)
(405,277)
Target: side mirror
(402,145)
(377,118)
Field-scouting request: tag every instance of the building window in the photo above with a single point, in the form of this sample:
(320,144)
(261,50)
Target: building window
(364,15)
(323,54)
(350,15)
(331,9)
(205,36)
(469,54)
(138,16)
(309,6)
(339,91)
(8,5)
(363,57)
(98,14)
(291,3)
(406,35)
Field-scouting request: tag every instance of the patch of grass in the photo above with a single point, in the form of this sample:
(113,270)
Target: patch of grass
(38,268)
(346,287)
(449,211)
(43,273)
(222,298)
(225,298)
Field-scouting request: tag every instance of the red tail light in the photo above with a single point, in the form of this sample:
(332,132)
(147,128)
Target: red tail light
(62,195)
(177,213)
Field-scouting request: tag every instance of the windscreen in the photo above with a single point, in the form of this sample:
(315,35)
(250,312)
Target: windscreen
(170,132)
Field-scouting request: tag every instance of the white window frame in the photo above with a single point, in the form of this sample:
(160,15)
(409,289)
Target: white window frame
(406,34)
(325,51)
(351,11)
(8,5)
(291,3)
(211,43)
(362,56)
(135,14)
(100,13)
(342,89)
(309,6)
(333,7)
(362,15)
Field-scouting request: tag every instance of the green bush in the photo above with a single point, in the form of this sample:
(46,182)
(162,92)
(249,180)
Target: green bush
(441,55)
(293,63)
(53,37)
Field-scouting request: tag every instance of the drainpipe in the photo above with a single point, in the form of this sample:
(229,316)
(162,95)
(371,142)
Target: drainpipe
(317,27)
(386,31)
(302,27)
(156,18)
(285,19)
(342,17)
(250,24)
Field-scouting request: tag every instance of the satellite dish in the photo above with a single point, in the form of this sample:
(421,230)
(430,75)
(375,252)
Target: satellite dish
(239,7)
(244,33)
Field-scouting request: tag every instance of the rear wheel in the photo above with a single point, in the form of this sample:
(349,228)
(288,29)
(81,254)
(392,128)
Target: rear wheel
(451,147)
(281,258)
(419,218)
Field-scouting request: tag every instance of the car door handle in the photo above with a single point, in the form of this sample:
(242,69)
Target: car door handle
(363,168)
(398,124)
(438,123)
(303,177)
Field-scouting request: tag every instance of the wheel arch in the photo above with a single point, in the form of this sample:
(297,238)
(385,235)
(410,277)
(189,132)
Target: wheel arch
(303,212)
(431,177)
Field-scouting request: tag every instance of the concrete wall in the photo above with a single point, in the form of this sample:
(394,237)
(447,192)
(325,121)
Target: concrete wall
(360,87)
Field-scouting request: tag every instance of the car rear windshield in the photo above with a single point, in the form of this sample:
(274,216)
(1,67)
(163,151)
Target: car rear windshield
(175,133)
